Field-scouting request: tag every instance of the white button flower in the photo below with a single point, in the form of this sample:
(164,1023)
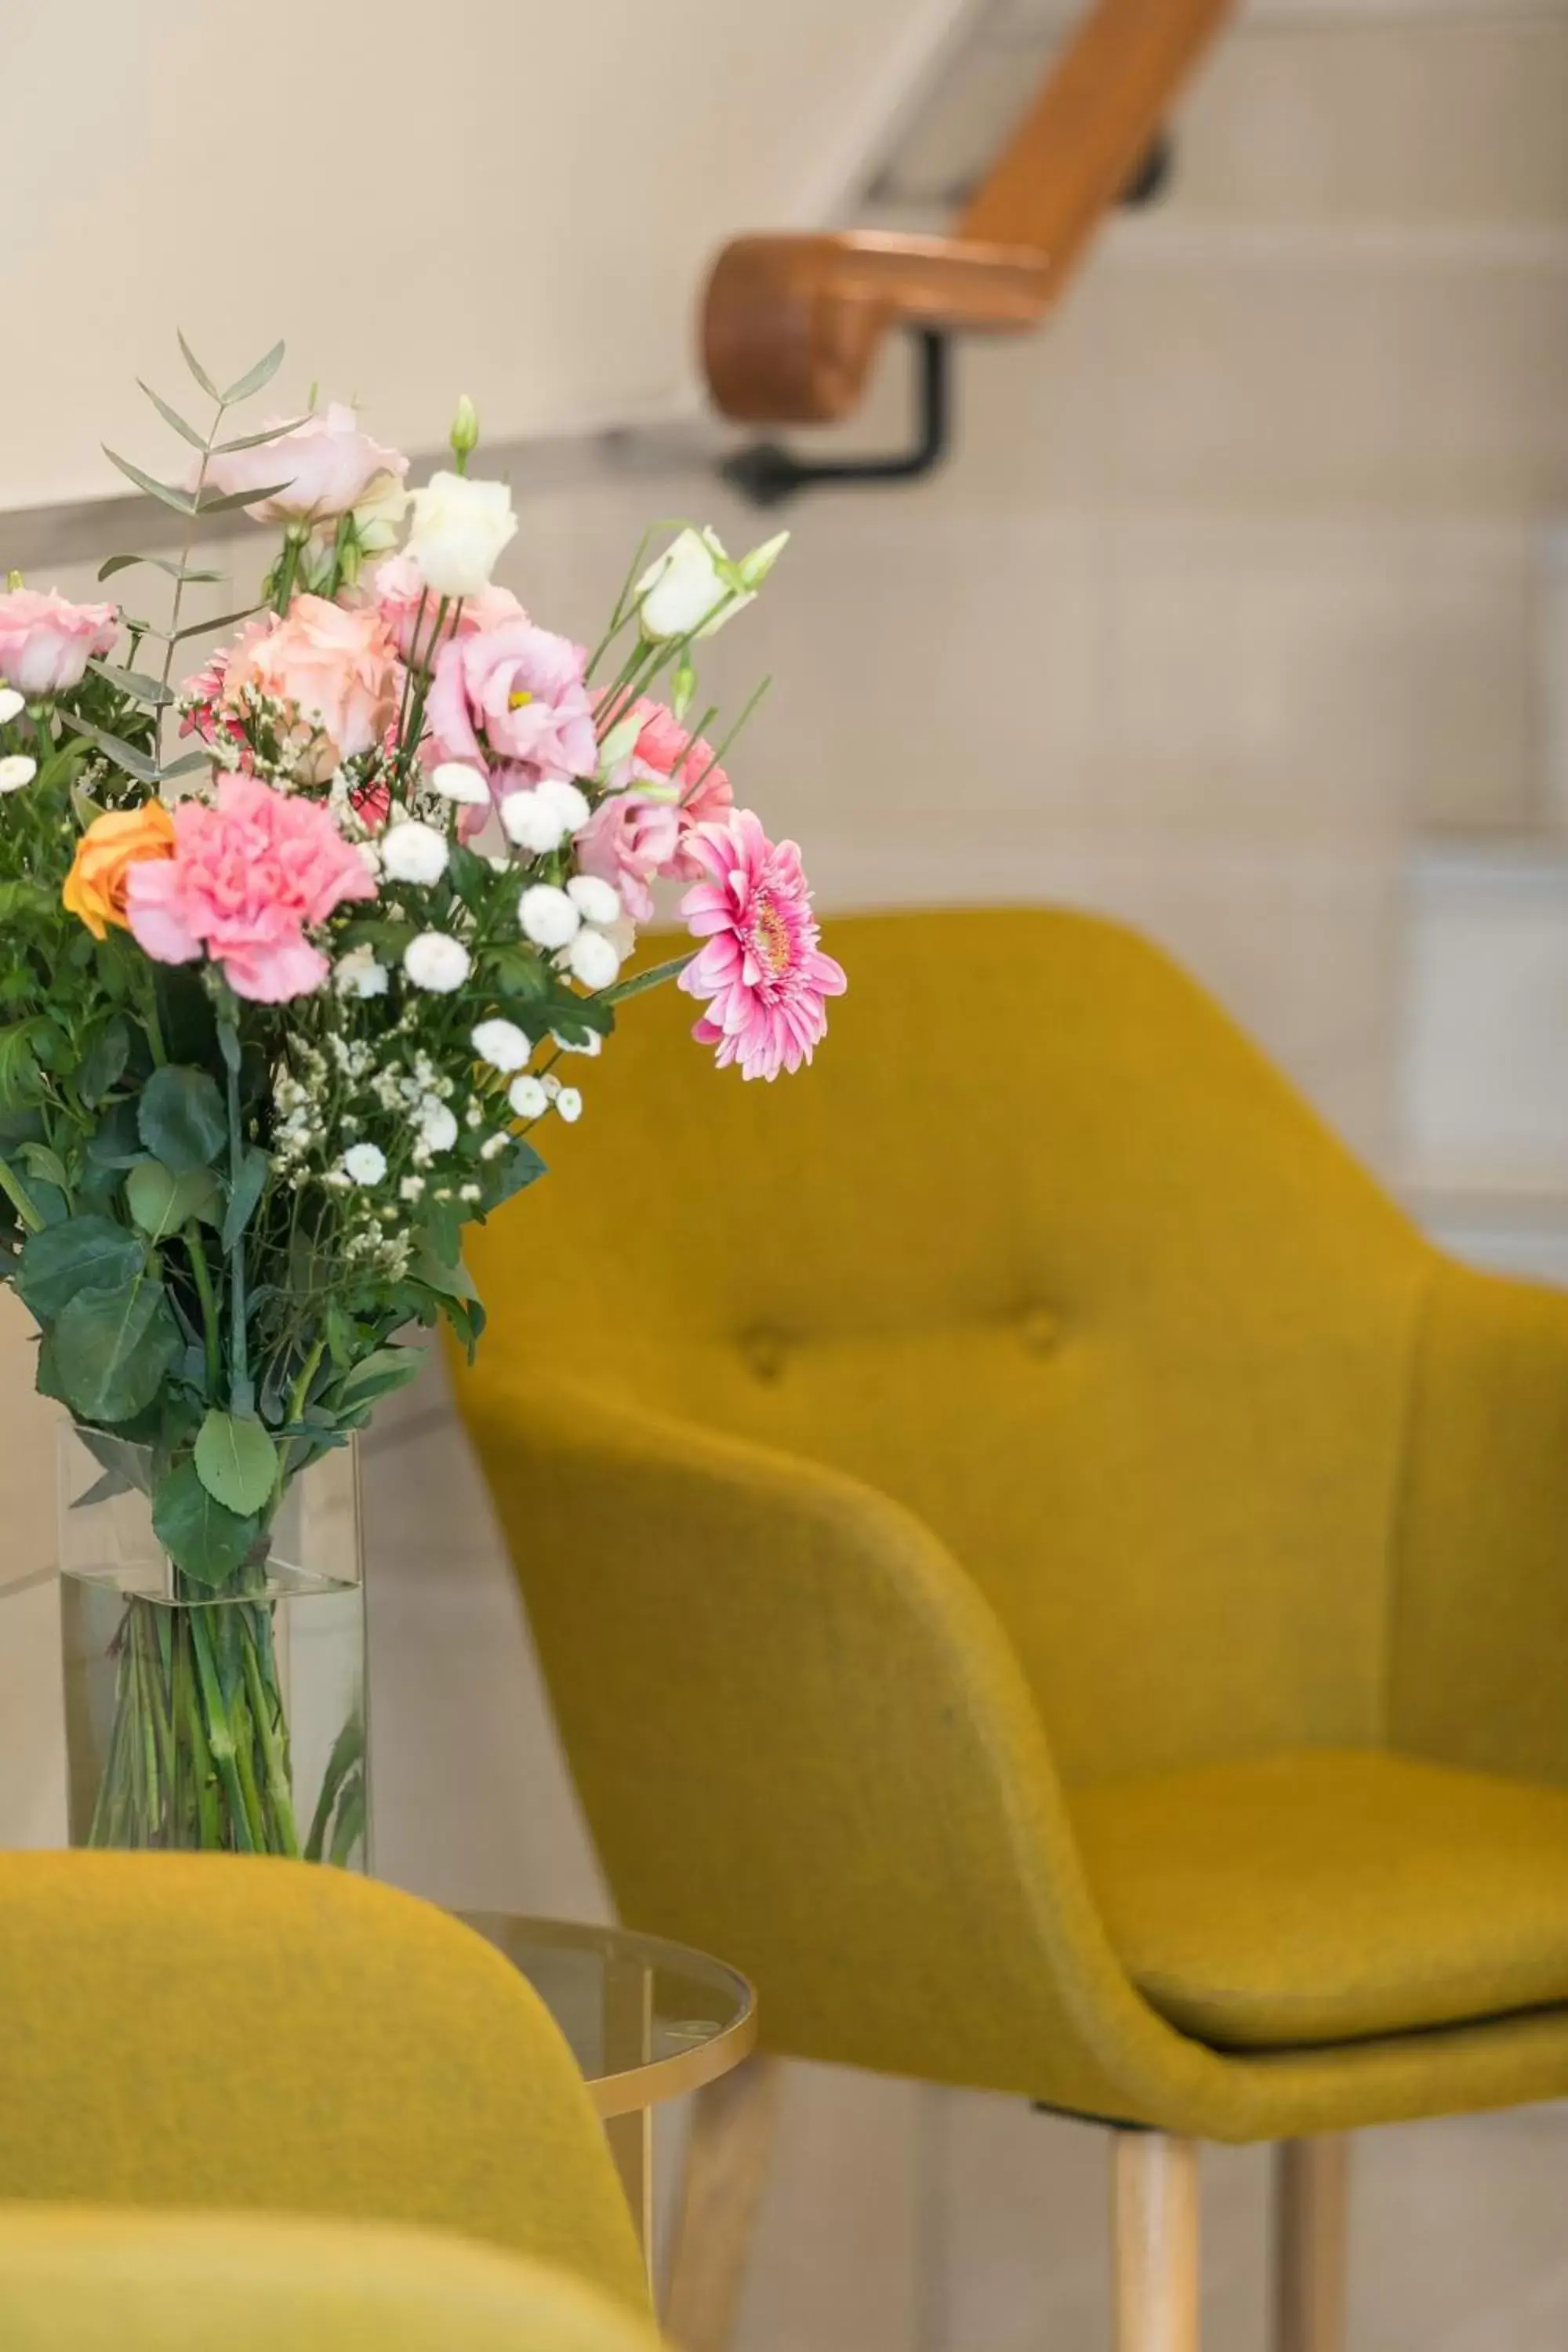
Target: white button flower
(436,962)
(364,1163)
(458,530)
(530,821)
(16,770)
(596,901)
(503,1044)
(547,915)
(455,780)
(12,705)
(414,852)
(592,959)
(569,1105)
(436,1125)
(528,1097)
(566,799)
(359,974)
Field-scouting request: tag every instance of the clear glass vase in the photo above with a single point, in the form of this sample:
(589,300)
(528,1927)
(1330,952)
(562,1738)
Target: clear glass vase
(212,1720)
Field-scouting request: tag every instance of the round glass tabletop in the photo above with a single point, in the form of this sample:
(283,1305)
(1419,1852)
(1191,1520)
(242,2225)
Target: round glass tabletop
(645,2020)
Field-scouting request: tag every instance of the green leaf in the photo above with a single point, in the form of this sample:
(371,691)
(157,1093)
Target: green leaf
(217,621)
(180,501)
(186,765)
(39,1160)
(377,1375)
(135,763)
(259,440)
(243,1194)
(499,1178)
(171,416)
(103,1063)
(197,369)
(450,1281)
(90,1253)
(182,1118)
(227,500)
(185,572)
(19,1081)
(236,1461)
(517,973)
(204,1539)
(134,682)
(637,983)
(112,1347)
(161,1201)
(116,1140)
(255,377)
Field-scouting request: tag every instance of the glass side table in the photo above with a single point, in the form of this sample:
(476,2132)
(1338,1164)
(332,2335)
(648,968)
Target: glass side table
(645,2019)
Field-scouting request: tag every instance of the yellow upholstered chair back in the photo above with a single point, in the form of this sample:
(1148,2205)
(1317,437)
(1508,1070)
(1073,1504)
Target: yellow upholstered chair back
(244,2034)
(94,2279)
(1042,1247)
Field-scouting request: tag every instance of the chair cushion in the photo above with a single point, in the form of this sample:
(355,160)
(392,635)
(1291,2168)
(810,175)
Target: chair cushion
(1331,1896)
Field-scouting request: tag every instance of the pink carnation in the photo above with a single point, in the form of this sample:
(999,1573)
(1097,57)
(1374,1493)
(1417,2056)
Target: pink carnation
(521,689)
(764,975)
(397,590)
(44,640)
(246,879)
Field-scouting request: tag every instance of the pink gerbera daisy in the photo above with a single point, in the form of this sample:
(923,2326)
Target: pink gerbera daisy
(761,971)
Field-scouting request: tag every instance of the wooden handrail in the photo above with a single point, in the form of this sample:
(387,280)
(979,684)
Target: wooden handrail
(791,325)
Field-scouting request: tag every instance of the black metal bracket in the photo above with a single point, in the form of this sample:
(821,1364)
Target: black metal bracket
(768,474)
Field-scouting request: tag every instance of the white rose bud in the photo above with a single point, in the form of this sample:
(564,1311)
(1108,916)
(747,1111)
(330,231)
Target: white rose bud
(596,901)
(592,959)
(436,962)
(16,771)
(455,780)
(503,1044)
(528,1098)
(547,915)
(530,821)
(689,590)
(569,1105)
(364,1163)
(459,528)
(12,705)
(414,852)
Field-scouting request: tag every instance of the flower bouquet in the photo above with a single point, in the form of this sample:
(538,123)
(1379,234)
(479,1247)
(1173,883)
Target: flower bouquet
(302,950)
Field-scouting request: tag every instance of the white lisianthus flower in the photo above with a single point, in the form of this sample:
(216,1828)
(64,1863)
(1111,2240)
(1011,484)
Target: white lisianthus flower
(547,915)
(528,1097)
(691,590)
(569,1105)
(16,770)
(364,1163)
(412,851)
(592,959)
(503,1044)
(378,516)
(530,821)
(436,1125)
(595,900)
(436,962)
(12,705)
(458,530)
(455,780)
(359,974)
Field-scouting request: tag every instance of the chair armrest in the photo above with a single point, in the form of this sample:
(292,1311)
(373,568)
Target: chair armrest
(804,1742)
(1478,1661)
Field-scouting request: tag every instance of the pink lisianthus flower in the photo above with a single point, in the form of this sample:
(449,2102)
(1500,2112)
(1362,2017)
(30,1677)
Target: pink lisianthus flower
(397,588)
(248,877)
(626,841)
(325,465)
(520,688)
(338,669)
(45,640)
(761,971)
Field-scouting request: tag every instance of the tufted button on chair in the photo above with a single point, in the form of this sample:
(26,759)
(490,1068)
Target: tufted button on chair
(1154,1703)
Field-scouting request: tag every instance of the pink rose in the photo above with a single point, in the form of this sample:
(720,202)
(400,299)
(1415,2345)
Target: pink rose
(247,877)
(397,590)
(45,641)
(521,688)
(327,464)
(627,841)
(339,668)
(666,754)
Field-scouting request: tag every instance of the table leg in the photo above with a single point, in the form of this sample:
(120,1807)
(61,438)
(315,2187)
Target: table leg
(631,2145)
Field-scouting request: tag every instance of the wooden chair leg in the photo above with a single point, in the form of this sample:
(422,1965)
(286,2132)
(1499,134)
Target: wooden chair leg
(1154,2242)
(726,2161)
(1312,2211)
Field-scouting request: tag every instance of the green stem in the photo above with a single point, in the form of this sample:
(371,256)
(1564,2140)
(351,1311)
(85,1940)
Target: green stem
(242,1394)
(21,1200)
(277,1787)
(220,1728)
(211,1342)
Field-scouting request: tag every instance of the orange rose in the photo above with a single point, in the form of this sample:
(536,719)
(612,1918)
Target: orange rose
(112,843)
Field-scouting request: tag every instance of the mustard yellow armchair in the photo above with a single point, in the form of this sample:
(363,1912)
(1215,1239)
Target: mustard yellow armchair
(1039,1562)
(232,2033)
(102,2279)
